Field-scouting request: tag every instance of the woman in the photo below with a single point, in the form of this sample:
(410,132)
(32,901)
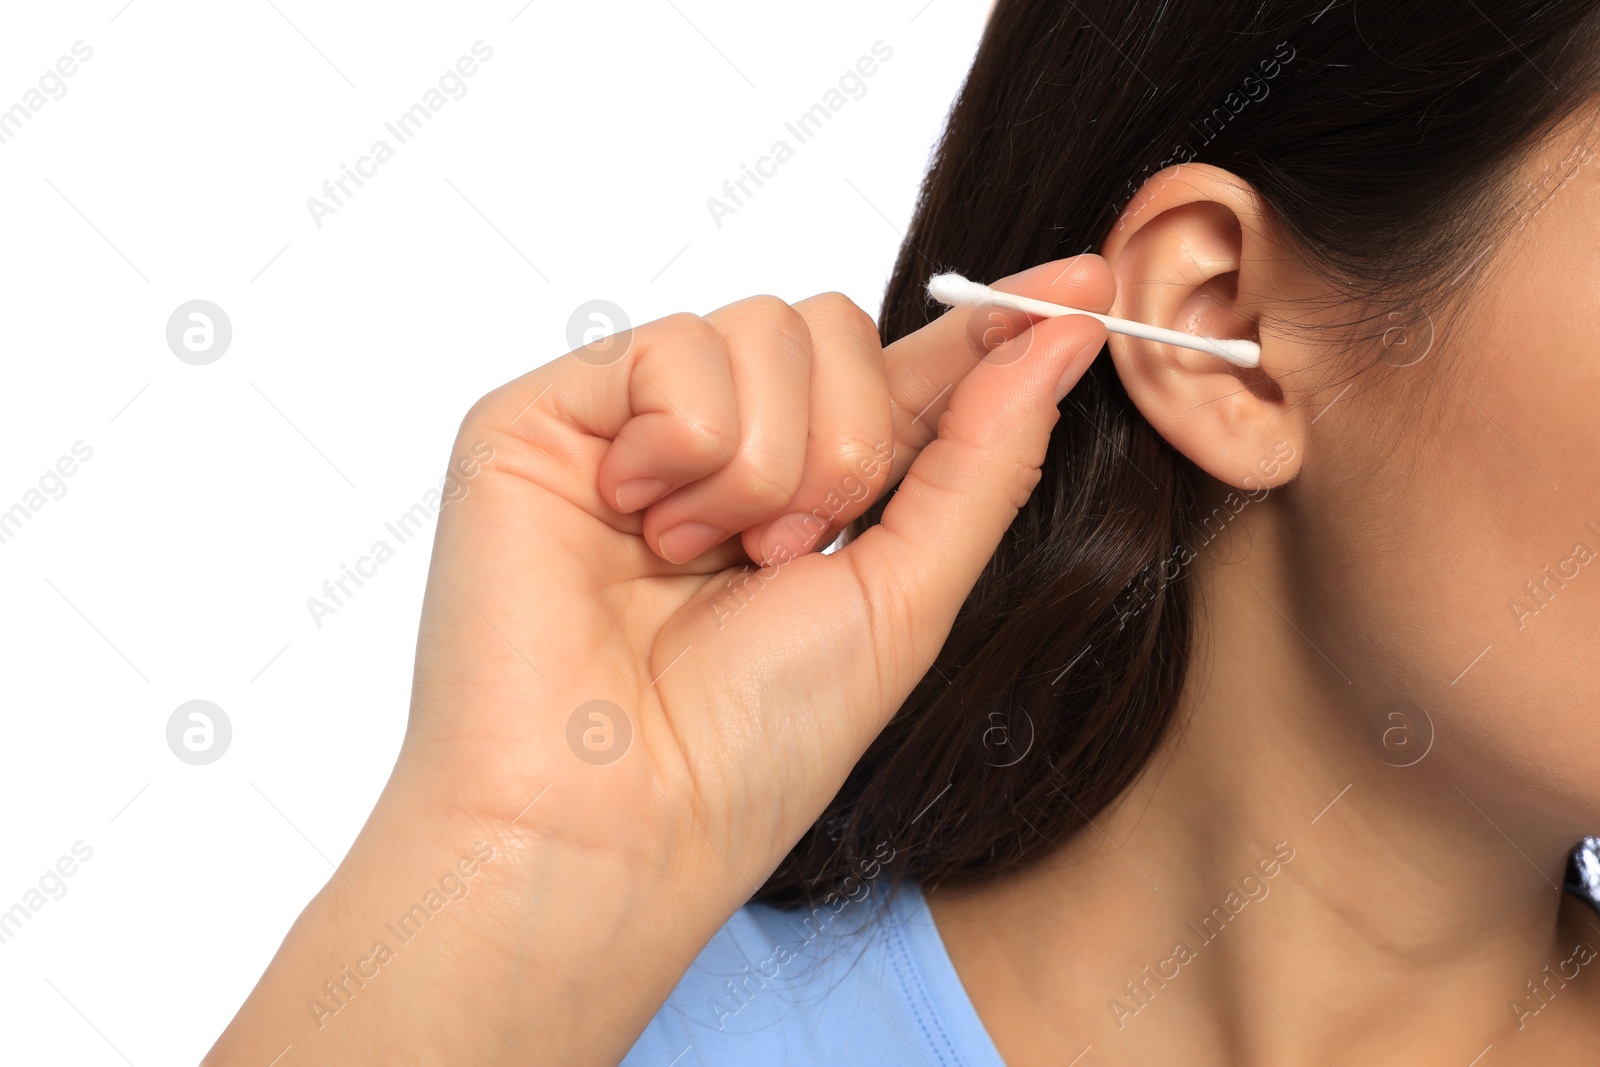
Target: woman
(1195,715)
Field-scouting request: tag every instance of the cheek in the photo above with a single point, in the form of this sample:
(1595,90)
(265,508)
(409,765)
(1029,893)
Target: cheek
(1528,422)
(1464,563)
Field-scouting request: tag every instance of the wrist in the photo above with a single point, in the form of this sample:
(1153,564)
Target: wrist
(450,938)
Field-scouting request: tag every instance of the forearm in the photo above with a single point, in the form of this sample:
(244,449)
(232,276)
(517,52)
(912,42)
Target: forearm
(449,942)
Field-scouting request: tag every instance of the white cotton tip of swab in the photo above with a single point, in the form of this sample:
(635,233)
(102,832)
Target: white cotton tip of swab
(954,290)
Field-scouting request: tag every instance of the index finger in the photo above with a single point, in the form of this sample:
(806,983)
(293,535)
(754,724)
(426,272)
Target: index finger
(924,367)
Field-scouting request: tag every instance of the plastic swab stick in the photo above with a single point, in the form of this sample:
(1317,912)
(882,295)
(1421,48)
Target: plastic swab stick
(957,291)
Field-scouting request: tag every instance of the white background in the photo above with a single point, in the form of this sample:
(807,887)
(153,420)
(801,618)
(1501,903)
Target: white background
(178,562)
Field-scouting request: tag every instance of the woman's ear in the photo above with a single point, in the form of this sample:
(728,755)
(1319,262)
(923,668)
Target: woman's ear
(1193,252)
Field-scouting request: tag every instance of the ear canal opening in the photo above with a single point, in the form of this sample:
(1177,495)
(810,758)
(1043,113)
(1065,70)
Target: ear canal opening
(1219,315)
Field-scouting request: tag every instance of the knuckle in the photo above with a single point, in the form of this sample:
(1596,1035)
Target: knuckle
(861,462)
(494,411)
(844,316)
(478,414)
(680,328)
(772,309)
(778,322)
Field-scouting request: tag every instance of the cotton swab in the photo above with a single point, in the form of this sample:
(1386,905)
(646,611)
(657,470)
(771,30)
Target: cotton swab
(957,291)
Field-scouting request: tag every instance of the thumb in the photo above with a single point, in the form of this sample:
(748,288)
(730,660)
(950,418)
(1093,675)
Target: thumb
(939,530)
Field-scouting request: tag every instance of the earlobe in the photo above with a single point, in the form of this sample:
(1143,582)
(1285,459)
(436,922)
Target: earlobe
(1192,252)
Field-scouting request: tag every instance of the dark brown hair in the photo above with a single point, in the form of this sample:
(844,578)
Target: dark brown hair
(1380,134)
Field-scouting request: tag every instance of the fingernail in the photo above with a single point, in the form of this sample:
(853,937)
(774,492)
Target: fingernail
(687,540)
(796,532)
(1076,368)
(631,496)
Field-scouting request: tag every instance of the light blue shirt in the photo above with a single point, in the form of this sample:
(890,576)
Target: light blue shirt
(864,981)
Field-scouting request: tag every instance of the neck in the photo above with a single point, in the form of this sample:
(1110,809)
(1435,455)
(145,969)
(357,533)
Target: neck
(1277,888)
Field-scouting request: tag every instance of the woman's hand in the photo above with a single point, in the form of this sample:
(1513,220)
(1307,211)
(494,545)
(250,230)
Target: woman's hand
(595,633)
(635,718)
